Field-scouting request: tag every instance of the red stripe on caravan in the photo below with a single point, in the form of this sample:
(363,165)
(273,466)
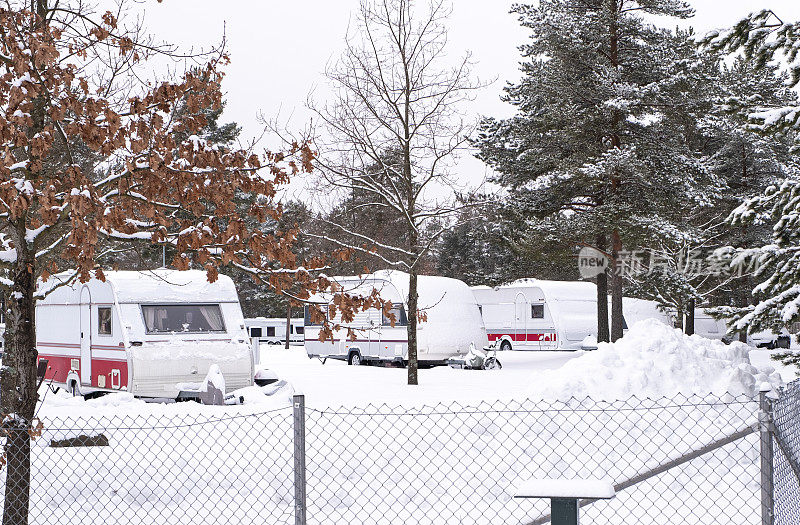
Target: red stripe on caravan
(539,337)
(58,367)
(58,345)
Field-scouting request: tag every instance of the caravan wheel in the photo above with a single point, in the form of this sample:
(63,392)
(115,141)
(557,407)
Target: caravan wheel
(505,345)
(354,359)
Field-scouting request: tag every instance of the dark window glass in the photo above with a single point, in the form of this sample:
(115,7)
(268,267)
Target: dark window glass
(308,310)
(104,320)
(183,318)
(537,311)
(299,329)
(255,331)
(399,316)
(270,331)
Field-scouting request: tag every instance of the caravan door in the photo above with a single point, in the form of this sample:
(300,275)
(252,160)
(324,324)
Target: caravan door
(86,336)
(520,334)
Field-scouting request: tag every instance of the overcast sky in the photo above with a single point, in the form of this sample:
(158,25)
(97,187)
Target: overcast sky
(280,48)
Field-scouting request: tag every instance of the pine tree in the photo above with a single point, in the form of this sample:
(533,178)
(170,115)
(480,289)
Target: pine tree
(591,156)
(741,164)
(768,41)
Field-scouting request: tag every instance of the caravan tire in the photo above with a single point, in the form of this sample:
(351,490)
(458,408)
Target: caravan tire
(354,359)
(505,345)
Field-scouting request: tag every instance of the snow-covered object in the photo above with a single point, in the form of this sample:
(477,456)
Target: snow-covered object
(654,360)
(474,358)
(451,321)
(589,343)
(602,488)
(214,378)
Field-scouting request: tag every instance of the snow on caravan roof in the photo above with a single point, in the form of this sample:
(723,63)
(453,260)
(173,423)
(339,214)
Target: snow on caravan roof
(164,285)
(431,288)
(554,290)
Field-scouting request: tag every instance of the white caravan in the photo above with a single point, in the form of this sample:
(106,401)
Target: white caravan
(533,314)
(272,330)
(152,333)
(452,322)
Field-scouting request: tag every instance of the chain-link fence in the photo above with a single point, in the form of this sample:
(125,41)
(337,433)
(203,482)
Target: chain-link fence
(168,469)
(458,464)
(786,417)
(684,459)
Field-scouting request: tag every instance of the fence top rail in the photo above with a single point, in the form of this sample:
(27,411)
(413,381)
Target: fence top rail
(537,406)
(151,421)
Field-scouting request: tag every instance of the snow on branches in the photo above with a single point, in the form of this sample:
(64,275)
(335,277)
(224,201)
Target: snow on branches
(764,39)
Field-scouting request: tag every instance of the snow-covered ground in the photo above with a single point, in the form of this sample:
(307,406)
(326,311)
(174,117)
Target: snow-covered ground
(337,384)
(435,460)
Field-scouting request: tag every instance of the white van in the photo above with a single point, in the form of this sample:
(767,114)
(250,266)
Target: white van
(272,330)
(452,321)
(153,333)
(533,314)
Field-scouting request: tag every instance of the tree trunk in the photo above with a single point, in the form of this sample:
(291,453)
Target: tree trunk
(617,322)
(288,321)
(602,308)
(18,394)
(688,328)
(602,300)
(413,306)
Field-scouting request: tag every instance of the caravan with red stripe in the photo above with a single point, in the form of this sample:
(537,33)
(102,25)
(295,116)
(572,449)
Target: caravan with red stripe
(152,333)
(533,314)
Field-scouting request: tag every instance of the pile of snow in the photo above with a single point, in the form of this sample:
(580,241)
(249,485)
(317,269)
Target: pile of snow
(654,360)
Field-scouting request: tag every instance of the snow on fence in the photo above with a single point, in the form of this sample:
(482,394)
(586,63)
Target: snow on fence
(684,459)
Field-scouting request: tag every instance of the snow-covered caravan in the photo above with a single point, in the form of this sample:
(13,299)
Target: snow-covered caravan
(706,326)
(710,328)
(153,333)
(533,314)
(635,310)
(272,330)
(452,321)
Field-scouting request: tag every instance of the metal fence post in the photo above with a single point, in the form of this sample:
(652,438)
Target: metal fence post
(765,427)
(299,403)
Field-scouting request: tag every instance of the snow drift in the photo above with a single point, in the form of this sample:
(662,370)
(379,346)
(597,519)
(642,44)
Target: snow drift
(654,360)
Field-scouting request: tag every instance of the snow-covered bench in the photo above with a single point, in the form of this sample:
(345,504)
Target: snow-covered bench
(564,495)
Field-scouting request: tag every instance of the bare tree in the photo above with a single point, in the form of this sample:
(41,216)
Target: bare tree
(391,131)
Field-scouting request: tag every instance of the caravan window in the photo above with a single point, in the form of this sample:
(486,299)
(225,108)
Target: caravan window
(537,311)
(270,331)
(104,320)
(195,318)
(399,316)
(299,330)
(307,310)
(255,331)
